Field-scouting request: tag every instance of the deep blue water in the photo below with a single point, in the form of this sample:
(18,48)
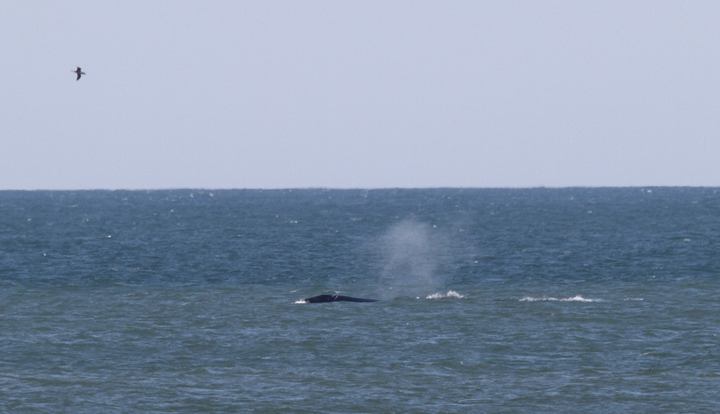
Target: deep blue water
(493,300)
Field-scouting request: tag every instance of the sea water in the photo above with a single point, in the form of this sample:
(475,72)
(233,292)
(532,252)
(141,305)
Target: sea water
(569,300)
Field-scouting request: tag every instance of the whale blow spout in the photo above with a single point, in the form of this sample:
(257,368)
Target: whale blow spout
(336,298)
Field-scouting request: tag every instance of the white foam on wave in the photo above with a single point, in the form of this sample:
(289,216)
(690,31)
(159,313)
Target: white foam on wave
(576,298)
(301,301)
(449,294)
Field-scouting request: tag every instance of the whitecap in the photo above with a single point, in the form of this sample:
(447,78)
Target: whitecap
(449,294)
(576,298)
(531,299)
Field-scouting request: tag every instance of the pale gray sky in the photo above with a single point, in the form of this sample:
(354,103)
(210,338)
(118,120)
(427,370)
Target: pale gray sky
(347,94)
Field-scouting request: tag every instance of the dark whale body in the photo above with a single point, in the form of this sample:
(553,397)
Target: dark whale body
(336,298)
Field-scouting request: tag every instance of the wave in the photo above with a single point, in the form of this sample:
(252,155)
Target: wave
(449,294)
(576,298)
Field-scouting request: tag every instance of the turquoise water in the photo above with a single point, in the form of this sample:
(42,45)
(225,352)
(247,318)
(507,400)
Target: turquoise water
(541,300)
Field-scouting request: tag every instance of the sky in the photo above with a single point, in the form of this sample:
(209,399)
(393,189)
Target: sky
(358,94)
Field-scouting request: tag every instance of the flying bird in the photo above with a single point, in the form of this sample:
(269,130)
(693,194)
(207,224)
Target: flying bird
(79,73)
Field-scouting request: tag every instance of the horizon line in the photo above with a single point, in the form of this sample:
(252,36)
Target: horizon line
(359,188)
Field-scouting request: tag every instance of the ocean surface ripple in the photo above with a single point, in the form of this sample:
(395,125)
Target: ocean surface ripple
(492,300)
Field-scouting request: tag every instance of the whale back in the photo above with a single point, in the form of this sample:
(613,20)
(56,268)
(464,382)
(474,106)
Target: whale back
(337,298)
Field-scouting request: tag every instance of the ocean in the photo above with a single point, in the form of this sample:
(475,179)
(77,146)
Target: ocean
(602,300)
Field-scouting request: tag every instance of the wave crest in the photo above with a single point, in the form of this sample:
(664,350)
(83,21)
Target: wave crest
(449,294)
(576,298)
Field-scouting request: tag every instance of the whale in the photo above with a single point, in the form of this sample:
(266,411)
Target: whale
(336,298)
